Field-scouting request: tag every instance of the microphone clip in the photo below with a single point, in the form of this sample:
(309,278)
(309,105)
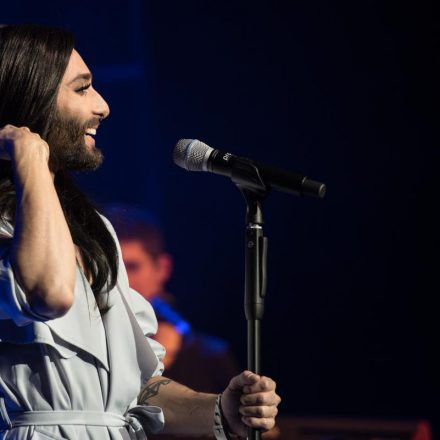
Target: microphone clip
(246,175)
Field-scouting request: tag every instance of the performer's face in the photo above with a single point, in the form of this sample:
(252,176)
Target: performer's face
(79,111)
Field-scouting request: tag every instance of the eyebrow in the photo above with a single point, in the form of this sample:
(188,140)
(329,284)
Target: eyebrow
(86,76)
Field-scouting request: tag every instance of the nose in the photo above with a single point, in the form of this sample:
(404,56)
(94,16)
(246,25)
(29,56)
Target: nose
(101,107)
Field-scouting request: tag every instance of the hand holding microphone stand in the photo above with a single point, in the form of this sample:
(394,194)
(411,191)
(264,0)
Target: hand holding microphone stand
(255,182)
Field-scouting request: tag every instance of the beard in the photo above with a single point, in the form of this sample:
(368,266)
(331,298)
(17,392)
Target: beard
(68,148)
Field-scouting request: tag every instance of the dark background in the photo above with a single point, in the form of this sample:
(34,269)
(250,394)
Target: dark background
(345,92)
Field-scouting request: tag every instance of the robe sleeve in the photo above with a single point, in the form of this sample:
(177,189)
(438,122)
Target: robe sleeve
(13,300)
(142,309)
(145,316)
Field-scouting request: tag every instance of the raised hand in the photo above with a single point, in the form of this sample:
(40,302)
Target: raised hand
(16,142)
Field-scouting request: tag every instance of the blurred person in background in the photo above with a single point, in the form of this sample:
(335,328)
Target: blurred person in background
(201,361)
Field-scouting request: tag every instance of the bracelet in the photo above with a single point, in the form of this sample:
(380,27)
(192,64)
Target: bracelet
(219,431)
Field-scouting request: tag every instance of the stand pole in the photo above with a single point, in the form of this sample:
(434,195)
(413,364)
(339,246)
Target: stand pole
(255,282)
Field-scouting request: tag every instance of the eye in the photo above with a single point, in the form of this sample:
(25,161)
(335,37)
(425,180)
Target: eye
(83,89)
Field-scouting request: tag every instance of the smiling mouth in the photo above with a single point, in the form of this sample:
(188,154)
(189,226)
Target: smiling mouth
(91,132)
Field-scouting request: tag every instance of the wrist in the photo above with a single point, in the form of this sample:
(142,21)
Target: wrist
(220,427)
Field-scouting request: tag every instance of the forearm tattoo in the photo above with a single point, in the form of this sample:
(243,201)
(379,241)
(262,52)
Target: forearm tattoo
(151,390)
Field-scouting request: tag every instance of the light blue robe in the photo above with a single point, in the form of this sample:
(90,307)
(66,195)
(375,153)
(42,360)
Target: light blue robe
(77,376)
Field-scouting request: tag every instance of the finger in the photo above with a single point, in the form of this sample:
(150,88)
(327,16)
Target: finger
(264,384)
(8,127)
(255,422)
(246,378)
(26,129)
(8,131)
(258,411)
(260,399)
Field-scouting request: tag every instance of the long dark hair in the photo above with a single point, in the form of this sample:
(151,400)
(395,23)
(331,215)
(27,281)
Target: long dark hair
(33,60)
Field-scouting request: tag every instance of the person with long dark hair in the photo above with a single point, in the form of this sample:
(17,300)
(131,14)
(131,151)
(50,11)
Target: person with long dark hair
(77,360)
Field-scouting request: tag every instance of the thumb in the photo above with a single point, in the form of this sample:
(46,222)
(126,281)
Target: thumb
(243,379)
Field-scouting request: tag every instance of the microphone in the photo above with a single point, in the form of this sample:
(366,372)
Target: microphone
(194,155)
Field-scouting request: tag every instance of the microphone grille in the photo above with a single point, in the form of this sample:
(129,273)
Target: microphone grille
(191,154)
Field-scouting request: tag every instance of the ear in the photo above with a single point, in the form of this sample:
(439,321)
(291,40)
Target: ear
(165,266)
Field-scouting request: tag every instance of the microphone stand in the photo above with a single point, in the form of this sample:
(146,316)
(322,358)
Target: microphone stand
(255,283)
(255,267)
(246,175)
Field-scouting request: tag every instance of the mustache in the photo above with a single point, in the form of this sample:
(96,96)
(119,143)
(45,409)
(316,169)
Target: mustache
(92,123)
(73,127)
